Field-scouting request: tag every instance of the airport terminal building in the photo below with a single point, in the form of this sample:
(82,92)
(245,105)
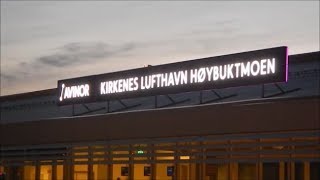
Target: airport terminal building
(245,116)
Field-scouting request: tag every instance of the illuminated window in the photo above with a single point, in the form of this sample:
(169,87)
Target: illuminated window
(100,171)
(80,172)
(59,172)
(29,172)
(45,172)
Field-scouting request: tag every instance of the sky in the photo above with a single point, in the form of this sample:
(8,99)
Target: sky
(43,42)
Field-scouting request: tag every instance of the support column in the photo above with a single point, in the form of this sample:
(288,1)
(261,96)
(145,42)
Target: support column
(68,170)
(234,171)
(306,171)
(37,171)
(259,164)
(109,159)
(153,162)
(198,171)
(291,171)
(90,165)
(21,172)
(282,171)
(90,171)
(54,170)
(110,171)
(203,164)
(233,166)
(259,168)
(131,164)
(176,174)
(203,170)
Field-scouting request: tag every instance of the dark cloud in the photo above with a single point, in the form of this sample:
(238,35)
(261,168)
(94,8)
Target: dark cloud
(78,52)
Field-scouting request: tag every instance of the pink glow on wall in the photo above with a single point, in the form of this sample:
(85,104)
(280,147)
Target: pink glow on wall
(287,64)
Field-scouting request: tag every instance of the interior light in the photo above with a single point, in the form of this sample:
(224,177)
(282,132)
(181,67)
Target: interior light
(184,157)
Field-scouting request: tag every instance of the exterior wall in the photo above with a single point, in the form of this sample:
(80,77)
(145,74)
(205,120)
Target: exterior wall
(246,117)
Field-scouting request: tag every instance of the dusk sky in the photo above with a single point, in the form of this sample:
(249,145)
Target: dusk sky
(42,42)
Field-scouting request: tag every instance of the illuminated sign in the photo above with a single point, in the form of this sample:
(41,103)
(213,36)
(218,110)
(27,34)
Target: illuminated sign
(140,152)
(241,69)
(69,92)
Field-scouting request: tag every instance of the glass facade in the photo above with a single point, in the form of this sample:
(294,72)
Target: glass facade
(272,156)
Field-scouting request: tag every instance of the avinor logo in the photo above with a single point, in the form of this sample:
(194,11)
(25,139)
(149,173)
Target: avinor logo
(69,92)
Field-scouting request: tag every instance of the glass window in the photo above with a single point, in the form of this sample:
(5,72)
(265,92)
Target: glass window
(45,172)
(29,172)
(314,170)
(100,171)
(247,171)
(80,172)
(298,171)
(270,171)
(59,172)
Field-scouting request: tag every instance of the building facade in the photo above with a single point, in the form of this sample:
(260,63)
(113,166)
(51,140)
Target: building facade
(257,132)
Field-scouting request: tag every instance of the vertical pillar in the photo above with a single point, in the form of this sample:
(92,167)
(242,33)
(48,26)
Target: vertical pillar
(198,171)
(37,171)
(259,165)
(306,171)
(153,162)
(90,171)
(291,167)
(21,171)
(65,171)
(54,170)
(176,174)
(203,170)
(190,170)
(90,164)
(234,171)
(281,171)
(68,170)
(131,164)
(291,171)
(110,163)
(233,166)
(259,171)
(203,161)
(110,171)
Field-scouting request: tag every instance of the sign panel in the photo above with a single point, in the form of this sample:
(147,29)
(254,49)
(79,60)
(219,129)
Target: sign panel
(170,170)
(124,171)
(241,69)
(147,171)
